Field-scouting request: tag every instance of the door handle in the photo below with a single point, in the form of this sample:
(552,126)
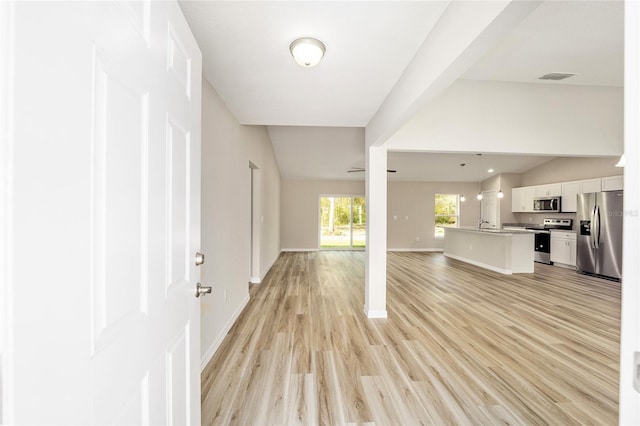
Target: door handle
(596,238)
(199,259)
(592,230)
(202,290)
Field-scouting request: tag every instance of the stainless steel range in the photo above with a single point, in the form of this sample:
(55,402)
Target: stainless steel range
(542,245)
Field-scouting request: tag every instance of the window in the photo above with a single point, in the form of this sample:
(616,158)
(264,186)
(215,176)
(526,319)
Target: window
(343,222)
(447,213)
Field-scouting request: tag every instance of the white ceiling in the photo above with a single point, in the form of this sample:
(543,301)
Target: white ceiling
(245,47)
(439,167)
(582,37)
(311,113)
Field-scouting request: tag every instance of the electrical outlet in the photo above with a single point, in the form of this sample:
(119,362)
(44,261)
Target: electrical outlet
(470,247)
(417,238)
(225,295)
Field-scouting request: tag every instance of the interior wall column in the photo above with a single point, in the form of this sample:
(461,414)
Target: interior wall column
(375,287)
(629,411)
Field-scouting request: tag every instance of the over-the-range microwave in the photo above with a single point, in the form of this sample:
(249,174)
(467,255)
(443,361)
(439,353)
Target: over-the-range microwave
(546,204)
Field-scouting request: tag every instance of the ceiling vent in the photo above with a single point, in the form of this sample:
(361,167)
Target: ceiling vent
(556,76)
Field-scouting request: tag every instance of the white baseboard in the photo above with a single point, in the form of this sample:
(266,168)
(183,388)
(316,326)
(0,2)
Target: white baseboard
(255,280)
(563,265)
(298,249)
(480,264)
(374,314)
(418,249)
(216,343)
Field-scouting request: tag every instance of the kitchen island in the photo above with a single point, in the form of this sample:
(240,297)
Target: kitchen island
(503,251)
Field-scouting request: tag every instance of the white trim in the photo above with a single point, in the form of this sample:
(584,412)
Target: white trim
(564,265)
(216,343)
(480,264)
(440,249)
(255,280)
(374,314)
(8,327)
(297,249)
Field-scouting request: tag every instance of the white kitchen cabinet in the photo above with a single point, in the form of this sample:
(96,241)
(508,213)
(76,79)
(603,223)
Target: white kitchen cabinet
(522,199)
(563,248)
(612,183)
(569,202)
(550,190)
(590,185)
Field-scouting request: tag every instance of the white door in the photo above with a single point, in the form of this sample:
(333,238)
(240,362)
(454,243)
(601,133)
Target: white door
(101,213)
(489,210)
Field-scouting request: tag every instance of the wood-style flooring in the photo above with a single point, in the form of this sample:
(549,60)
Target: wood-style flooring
(461,345)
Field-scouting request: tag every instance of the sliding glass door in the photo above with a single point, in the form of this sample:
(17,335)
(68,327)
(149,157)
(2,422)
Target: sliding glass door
(343,222)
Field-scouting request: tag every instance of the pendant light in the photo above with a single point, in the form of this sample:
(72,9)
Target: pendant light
(500,194)
(462,197)
(479,196)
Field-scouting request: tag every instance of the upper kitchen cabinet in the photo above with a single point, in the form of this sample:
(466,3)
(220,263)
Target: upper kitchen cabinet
(613,183)
(590,185)
(570,191)
(522,199)
(550,190)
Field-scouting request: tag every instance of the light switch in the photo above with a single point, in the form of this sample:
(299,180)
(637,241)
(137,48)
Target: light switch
(406,218)
(395,217)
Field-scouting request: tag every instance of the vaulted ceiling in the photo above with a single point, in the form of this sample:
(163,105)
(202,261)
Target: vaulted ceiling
(317,116)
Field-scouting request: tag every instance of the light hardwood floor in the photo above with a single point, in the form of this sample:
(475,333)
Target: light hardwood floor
(462,345)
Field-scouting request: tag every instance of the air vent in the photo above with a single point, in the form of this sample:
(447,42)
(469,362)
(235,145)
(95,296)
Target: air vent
(556,76)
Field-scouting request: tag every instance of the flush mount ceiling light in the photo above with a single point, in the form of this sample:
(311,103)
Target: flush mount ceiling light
(490,171)
(307,51)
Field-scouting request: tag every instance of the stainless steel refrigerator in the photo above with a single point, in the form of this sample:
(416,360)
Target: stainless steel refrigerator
(599,249)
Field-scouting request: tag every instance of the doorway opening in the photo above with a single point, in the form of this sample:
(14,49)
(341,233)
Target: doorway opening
(255,224)
(343,222)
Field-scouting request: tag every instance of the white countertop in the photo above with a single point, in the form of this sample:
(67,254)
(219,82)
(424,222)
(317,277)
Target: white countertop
(490,231)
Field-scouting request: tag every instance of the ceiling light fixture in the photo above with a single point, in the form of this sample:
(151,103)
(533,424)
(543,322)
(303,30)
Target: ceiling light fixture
(490,170)
(307,51)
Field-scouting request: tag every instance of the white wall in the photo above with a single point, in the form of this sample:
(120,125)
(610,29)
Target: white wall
(414,200)
(411,215)
(227,149)
(564,169)
(300,209)
(545,119)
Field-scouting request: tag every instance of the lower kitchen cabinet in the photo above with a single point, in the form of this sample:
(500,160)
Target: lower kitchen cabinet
(563,248)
